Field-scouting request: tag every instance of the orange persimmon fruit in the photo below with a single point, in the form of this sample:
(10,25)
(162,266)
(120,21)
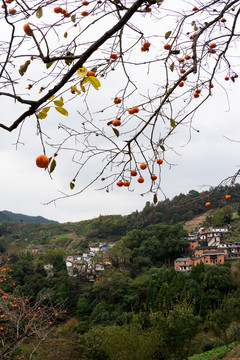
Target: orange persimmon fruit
(140,179)
(90,73)
(167,46)
(42,161)
(28,31)
(120,183)
(117,101)
(212,46)
(58,10)
(143,166)
(116,122)
(12,11)
(113,56)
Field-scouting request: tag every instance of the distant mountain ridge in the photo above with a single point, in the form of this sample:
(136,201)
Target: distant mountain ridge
(15,217)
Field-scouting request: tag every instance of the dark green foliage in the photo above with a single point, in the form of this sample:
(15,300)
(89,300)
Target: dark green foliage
(83,308)
(155,245)
(225,321)
(222,216)
(177,332)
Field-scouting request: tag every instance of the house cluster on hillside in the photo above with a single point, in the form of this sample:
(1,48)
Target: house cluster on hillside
(89,265)
(210,246)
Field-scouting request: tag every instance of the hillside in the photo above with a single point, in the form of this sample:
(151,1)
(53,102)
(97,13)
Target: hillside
(20,231)
(10,216)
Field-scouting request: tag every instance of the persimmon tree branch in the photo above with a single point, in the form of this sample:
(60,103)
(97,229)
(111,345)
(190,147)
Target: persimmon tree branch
(85,56)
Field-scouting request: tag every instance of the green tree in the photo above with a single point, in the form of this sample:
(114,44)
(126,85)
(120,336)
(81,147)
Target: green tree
(83,308)
(120,255)
(225,321)
(222,216)
(177,332)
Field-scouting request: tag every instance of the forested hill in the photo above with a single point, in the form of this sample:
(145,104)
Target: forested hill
(10,216)
(180,209)
(16,228)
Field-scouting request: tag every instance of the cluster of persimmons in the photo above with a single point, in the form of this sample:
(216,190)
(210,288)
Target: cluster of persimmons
(140,179)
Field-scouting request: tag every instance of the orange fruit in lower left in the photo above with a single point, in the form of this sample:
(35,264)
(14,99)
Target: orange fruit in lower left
(42,161)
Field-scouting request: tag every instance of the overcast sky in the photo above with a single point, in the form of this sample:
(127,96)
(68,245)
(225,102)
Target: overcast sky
(205,160)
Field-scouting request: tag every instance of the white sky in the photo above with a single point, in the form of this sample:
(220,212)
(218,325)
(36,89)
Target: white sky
(206,160)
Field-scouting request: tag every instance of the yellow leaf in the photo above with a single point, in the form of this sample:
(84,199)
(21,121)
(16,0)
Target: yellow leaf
(59,102)
(74,89)
(85,81)
(61,110)
(52,97)
(82,88)
(82,72)
(43,114)
(95,82)
(39,13)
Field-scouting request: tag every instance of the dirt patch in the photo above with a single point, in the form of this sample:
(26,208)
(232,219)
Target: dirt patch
(196,222)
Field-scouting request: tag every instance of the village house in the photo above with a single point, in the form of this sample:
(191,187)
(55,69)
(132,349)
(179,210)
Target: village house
(183,264)
(214,252)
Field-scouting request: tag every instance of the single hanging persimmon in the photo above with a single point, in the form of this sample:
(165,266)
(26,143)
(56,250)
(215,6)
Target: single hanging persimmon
(145,46)
(120,183)
(140,179)
(90,73)
(12,11)
(159,161)
(212,46)
(42,161)
(133,173)
(143,166)
(227,197)
(58,10)
(154,177)
(117,101)
(113,56)
(208,204)
(167,46)
(116,122)
(28,31)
